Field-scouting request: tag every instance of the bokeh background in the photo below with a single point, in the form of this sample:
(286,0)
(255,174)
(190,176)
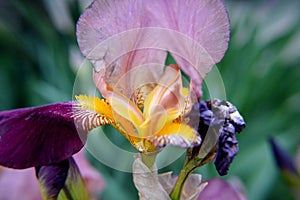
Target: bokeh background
(39,59)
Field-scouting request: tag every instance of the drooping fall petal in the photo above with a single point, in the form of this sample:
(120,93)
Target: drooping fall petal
(47,134)
(38,136)
(180,135)
(120,35)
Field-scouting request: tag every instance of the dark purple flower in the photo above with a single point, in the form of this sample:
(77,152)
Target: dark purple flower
(219,121)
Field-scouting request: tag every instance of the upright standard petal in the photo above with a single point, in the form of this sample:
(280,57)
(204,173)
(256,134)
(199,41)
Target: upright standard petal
(167,95)
(38,136)
(120,35)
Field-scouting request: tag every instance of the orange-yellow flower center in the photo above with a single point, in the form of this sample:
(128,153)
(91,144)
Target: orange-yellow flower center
(153,123)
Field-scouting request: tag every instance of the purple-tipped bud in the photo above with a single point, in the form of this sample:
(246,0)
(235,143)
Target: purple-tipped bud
(283,159)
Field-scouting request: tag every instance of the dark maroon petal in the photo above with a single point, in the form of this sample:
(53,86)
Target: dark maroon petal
(38,136)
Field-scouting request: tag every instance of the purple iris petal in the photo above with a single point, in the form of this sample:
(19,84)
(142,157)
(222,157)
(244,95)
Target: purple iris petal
(38,136)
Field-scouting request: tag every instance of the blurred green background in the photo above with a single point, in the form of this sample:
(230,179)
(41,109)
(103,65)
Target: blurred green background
(39,59)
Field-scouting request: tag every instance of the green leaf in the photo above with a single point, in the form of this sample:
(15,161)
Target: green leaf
(169,59)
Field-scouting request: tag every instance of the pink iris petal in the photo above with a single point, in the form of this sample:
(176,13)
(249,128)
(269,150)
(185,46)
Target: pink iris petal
(19,184)
(120,35)
(221,190)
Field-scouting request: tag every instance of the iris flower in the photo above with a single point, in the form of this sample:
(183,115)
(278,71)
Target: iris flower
(127,41)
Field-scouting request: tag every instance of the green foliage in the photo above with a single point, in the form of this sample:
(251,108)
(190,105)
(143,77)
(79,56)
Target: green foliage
(34,56)
(260,72)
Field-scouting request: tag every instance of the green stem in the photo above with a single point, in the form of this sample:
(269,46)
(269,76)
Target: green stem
(187,170)
(149,159)
(184,174)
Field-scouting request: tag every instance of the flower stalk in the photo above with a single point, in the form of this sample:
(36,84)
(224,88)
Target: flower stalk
(149,159)
(184,174)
